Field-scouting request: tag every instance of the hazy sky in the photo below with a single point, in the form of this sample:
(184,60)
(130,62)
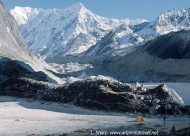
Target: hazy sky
(132,9)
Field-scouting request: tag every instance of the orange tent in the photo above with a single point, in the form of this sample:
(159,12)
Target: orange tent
(139,119)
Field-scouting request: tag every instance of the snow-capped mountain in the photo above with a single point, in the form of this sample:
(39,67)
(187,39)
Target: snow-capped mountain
(163,59)
(12,47)
(171,21)
(23,15)
(54,33)
(116,41)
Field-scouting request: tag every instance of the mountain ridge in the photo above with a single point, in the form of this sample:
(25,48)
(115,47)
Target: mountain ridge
(170,21)
(70,31)
(76,30)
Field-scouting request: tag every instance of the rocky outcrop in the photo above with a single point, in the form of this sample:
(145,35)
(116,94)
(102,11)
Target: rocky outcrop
(98,95)
(16,69)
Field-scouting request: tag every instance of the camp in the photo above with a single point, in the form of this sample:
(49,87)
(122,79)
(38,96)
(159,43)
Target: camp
(139,119)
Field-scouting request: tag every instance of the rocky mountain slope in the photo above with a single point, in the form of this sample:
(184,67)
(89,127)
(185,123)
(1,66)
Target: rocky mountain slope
(171,46)
(120,40)
(164,59)
(11,42)
(13,49)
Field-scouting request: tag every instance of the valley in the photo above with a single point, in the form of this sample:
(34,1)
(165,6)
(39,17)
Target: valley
(72,72)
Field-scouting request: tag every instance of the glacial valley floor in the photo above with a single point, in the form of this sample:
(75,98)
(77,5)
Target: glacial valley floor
(23,117)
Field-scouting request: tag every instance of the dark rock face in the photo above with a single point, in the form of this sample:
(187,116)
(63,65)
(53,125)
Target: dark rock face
(173,45)
(139,27)
(92,94)
(15,69)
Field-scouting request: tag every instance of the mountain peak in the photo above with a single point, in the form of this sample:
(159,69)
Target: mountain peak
(79,11)
(24,10)
(77,6)
(22,14)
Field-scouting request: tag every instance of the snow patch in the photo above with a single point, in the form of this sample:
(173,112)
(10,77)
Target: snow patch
(174,95)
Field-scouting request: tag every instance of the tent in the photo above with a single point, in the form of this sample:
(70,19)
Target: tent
(139,119)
